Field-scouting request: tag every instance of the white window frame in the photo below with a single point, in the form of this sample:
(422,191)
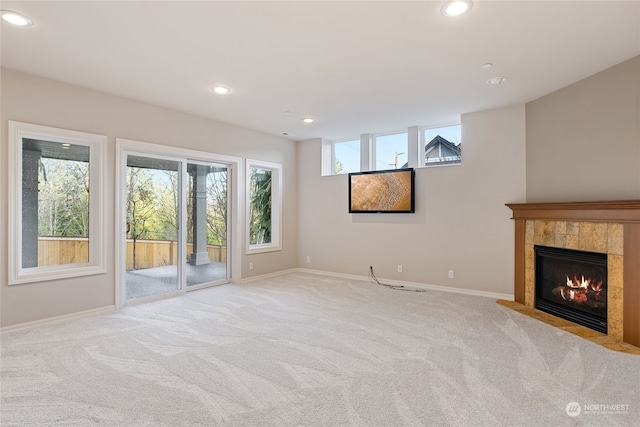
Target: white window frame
(276,207)
(124,147)
(97,203)
(374,148)
(422,143)
(333,154)
(415,149)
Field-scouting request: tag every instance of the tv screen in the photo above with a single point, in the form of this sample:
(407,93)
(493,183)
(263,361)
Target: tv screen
(388,191)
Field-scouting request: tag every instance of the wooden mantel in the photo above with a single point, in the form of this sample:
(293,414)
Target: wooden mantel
(619,211)
(626,212)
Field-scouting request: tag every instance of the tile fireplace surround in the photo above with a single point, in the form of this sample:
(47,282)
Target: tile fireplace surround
(606,227)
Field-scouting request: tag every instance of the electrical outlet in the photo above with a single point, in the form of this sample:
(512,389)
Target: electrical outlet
(399,268)
(308,258)
(451,275)
(250,266)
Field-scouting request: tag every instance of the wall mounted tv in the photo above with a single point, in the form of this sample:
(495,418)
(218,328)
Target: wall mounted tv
(387,191)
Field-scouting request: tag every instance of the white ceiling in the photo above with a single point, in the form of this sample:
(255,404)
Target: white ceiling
(357,67)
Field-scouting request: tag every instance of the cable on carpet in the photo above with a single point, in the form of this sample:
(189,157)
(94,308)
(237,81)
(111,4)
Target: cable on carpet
(374,279)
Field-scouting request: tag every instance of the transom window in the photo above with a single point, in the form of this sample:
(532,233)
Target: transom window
(441,146)
(346,156)
(391,151)
(418,147)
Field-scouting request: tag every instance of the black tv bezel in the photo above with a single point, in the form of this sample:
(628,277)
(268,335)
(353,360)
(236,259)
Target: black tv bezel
(379,172)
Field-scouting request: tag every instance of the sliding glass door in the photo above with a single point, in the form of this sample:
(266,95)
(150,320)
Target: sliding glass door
(207,207)
(175,222)
(153,247)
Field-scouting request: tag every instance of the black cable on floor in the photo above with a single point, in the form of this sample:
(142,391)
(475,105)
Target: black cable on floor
(374,279)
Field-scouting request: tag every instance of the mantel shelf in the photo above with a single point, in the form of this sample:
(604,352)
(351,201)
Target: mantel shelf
(622,211)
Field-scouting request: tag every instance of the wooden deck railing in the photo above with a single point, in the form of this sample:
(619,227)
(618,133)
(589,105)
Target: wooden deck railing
(149,253)
(157,253)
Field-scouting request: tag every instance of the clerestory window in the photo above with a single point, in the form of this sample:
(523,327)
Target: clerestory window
(346,156)
(441,146)
(391,151)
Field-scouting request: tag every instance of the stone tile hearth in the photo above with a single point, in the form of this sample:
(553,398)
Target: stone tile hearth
(585,236)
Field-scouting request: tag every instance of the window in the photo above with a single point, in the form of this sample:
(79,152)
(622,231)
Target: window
(264,204)
(441,146)
(346,155)
(418,147)
(57,198)
(391,151)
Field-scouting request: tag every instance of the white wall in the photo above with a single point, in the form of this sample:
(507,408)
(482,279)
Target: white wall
(31,99)
(461,222)
(583,141)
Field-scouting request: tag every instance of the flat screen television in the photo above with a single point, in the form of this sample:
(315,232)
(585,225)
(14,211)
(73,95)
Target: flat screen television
(386,191)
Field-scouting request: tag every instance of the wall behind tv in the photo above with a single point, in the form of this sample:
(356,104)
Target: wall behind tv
(460,223)
(583,141)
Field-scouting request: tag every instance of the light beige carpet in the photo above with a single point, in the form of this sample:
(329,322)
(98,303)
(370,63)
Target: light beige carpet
(311,350)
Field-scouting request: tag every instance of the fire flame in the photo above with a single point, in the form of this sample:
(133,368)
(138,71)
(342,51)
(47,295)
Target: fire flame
(576,283)
(577,288)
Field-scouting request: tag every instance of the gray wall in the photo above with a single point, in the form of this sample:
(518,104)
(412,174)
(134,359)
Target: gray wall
(31,99)
(583,141)
(474,233)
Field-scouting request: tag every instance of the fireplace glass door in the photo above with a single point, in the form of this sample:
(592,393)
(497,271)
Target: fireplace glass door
(572,285)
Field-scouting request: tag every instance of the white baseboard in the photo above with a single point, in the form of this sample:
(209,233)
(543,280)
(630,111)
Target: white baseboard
(493,295)
(266,276)
(59,319)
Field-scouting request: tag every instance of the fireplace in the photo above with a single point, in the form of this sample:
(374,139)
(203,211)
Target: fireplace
(604,227)
(572,284)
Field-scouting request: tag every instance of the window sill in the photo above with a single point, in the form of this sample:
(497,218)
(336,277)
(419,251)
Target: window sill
(258,249)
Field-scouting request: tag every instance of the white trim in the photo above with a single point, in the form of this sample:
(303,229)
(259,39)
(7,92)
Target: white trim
(120,223)
(367,155)
(276,207)
(494,295)
(59,319)
(97,203)
(275,274)
(413,146)
(327,157)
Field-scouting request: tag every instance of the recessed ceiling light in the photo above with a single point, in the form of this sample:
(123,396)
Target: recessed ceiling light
(487,65)
(456,7)
(496,80)
(15,18)
(220,90)
(308,120)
